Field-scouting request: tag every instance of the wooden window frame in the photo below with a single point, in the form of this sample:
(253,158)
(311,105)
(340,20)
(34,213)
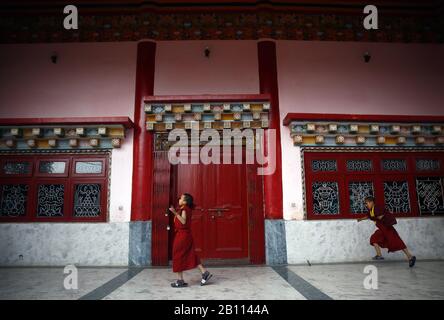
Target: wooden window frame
(377,176)
(68,179)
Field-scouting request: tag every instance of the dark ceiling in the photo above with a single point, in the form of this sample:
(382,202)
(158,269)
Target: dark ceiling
(412,7)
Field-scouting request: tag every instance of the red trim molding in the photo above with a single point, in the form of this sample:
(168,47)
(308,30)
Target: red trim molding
(125,121)
(142,187)
(360,118)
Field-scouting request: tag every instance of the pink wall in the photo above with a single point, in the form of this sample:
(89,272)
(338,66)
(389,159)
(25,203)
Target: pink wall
(331,77)
(90,79)
(182,68)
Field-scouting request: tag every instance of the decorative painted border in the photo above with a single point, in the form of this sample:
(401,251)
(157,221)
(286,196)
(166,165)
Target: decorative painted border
(56,133)
(365,130)
(291,24)
(161,117)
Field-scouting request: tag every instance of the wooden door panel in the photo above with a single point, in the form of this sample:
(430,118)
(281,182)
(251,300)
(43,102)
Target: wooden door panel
(228,240)
(228,225)
(160,221)
(217,234)
(198,231)
(230,182)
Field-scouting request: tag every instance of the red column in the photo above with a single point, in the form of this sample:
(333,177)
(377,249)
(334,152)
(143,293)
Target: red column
(269,84)
(141,200)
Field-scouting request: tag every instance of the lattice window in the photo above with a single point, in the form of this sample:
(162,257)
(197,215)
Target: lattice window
(51,199)
(17,168)
(88,167)
(324,165)
(325,198)
(428,164)
(358,191)
(430,195)
(396,196)
(394,165)
(54,187)
(52,167)
(359,165)
(87,200)
(14,198)
(406,183)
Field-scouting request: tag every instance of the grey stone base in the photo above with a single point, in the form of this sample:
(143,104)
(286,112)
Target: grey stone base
(139,243)
(275,242)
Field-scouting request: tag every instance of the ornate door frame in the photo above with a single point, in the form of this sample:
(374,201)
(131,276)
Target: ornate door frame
(162,185)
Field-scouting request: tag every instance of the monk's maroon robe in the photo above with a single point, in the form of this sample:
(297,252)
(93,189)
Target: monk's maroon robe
(184,256)
(386,235)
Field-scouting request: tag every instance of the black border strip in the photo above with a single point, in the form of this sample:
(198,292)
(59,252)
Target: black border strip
(302,286)
(113,284)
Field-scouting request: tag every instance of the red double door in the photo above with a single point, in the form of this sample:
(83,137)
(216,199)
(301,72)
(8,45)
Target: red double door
(220,219)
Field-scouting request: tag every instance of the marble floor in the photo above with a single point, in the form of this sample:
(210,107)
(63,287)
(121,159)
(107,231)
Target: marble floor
(328,281)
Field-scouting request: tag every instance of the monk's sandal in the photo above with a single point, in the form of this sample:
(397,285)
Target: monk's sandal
(206,276)
(179,284)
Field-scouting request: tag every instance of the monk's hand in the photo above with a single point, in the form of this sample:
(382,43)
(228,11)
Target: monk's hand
(173,211)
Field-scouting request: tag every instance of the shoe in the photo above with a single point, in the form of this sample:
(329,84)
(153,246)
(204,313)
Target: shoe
(179,284)
(205,277)
(412,261)
(378,257)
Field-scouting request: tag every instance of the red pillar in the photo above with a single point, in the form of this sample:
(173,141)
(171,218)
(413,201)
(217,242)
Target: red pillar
(269,84)
(141,200)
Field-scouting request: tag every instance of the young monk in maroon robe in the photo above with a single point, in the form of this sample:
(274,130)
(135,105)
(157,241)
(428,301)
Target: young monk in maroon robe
(184,256)
(386,236)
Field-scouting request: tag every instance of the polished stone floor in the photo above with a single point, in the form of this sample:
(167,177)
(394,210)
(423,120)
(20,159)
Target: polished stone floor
(329,281)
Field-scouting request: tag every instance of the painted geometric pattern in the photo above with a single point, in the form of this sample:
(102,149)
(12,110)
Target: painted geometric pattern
(201,115)
(324,165)
(50,200)
(394,165)
(430,195)
(87,200)
(396,196)
(359,165)
(379,134)
(54,137)
(358,191)
(140,24)
(13,200)
(428,164)
(325,198)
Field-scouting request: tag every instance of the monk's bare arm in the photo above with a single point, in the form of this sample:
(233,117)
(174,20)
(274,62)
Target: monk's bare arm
(182,217)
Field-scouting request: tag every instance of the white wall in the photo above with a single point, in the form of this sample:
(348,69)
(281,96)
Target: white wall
(330,241)
(60,244)
(121,181)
